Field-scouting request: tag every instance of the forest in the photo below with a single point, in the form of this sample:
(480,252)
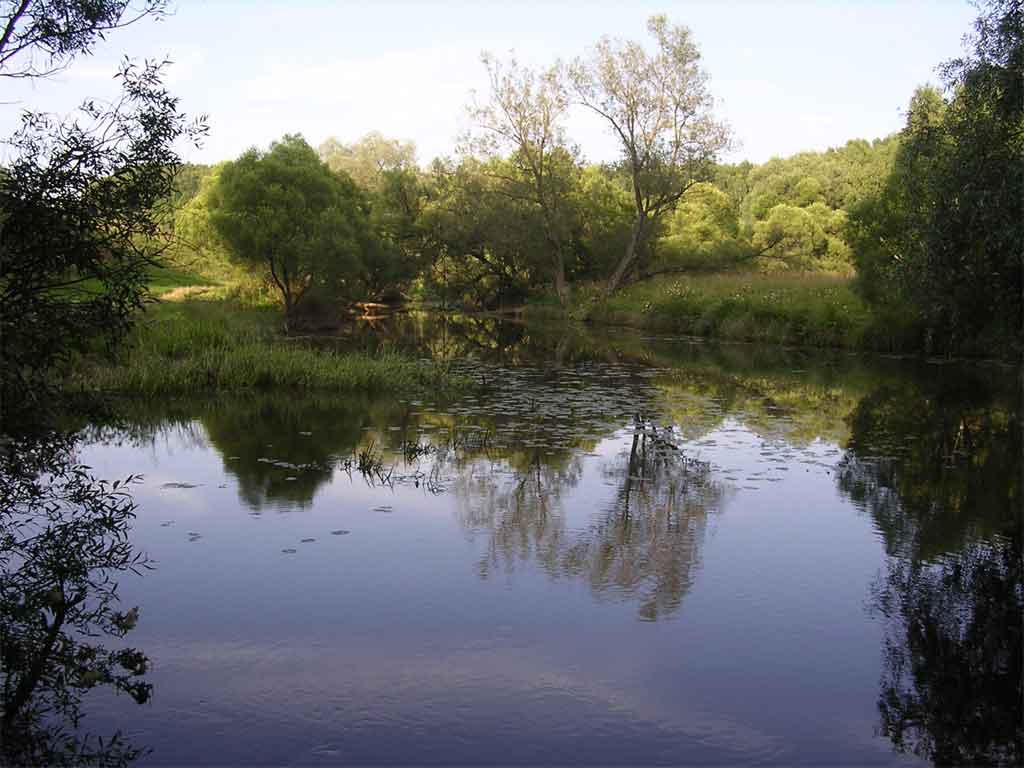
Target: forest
(909,243)
(917,235)
(232,331)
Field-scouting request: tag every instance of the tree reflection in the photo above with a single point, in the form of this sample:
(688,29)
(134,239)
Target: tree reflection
(951,681)
(935,465)
(647,544)
(517,500)
(938,468)
(644,546)
(63,543)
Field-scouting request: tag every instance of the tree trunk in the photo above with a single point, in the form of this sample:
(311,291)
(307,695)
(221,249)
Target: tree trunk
(561,288)
(289,306)
(624,265)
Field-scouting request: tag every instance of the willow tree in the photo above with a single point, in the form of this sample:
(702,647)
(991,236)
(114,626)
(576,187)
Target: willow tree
(523,117)
(286,214)
(660,109)
(369,159)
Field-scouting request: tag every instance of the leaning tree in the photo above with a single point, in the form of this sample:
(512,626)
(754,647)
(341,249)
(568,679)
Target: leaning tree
(660,109)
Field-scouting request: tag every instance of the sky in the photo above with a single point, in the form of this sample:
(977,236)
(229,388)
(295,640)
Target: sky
(786,76)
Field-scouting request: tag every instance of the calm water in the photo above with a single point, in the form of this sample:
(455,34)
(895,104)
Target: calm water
(616,549)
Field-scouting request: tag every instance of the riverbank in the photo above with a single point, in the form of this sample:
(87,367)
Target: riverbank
(807,310)
(207,338)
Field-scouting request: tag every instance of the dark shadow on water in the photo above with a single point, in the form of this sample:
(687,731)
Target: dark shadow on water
(938,467)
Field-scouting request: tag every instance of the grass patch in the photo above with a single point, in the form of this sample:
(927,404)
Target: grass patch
(170,277)
(818,310)
(218,341)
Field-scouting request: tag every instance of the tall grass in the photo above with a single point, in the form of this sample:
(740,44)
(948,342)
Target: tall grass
(808,309)
(218,343)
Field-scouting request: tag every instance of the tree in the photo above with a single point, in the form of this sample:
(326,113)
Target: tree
(79,225)
(605,215)
(523,117)
(944,237)
(63,543)
(482,243)
(659,108)
(368,159)
(42,37)
(287,214)
(79,206)
(385,169)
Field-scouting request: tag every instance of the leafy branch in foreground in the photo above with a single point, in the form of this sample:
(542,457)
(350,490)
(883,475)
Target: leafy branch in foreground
(79,228)
(40,38)
(63,544)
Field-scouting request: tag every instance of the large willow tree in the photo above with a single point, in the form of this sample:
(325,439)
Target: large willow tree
(285,214)
(523,116)
(660,109)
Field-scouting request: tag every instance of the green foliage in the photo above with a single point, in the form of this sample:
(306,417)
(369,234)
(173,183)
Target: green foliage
(79,229)
(659,107)
(605,217)
(483,243)
(805,237)
(702,233)
(368,160)
(386,172)
(944,235)
(786,214)
(523,115)
(812,310)
(286,215)
(42,37)
(225,345)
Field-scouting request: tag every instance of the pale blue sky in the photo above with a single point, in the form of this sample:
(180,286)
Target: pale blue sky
(787,75)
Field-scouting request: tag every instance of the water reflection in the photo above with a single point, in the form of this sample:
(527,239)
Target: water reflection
(936,465)
(938,468)
(63,544)
(950,688)
(598,465)
(647,543)
(644,544)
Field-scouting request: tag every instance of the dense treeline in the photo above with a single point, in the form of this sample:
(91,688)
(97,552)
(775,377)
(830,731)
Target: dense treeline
(944,237)
(459,231)
(928,220)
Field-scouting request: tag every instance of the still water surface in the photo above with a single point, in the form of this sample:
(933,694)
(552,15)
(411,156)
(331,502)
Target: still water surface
(615,549)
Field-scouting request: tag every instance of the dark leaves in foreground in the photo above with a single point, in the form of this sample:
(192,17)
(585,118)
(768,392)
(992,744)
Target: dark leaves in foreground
(63,545)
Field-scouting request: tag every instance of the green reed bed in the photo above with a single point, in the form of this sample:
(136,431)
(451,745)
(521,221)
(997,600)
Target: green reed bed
(197,345)
(813,310)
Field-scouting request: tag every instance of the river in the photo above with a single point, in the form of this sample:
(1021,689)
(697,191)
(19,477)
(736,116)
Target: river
(616,548)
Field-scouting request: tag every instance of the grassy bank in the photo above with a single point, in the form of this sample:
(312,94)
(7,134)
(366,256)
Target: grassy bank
(207,338)
(816,310)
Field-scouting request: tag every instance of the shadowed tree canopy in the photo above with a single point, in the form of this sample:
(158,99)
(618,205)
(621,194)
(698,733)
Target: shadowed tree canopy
(945,236)
(284,213)
(386,171)
(39,38)
(523,117)
(80,200)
